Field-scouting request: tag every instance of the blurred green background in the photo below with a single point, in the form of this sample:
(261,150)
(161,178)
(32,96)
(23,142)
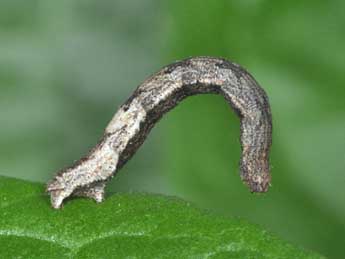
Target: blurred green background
(66,66)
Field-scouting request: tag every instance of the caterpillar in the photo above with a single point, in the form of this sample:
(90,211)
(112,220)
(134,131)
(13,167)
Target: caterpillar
(152,99)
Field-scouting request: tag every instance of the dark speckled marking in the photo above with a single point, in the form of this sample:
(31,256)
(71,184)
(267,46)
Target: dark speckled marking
(170,68)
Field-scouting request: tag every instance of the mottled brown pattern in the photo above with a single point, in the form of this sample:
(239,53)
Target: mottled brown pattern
(150,101)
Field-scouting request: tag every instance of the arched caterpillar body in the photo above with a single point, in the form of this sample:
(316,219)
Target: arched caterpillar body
(150,101)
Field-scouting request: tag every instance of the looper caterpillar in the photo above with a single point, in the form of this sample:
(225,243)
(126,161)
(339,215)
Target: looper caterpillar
(150,101)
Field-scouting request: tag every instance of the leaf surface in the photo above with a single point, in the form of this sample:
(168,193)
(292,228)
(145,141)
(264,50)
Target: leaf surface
(125,225)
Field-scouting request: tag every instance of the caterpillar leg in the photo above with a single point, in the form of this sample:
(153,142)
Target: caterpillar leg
(76,183)
(59,191)
(94,191)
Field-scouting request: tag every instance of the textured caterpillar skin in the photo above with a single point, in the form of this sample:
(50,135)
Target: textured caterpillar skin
(151,100)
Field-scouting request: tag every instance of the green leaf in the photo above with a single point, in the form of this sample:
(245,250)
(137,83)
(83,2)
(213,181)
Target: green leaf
(125,225)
